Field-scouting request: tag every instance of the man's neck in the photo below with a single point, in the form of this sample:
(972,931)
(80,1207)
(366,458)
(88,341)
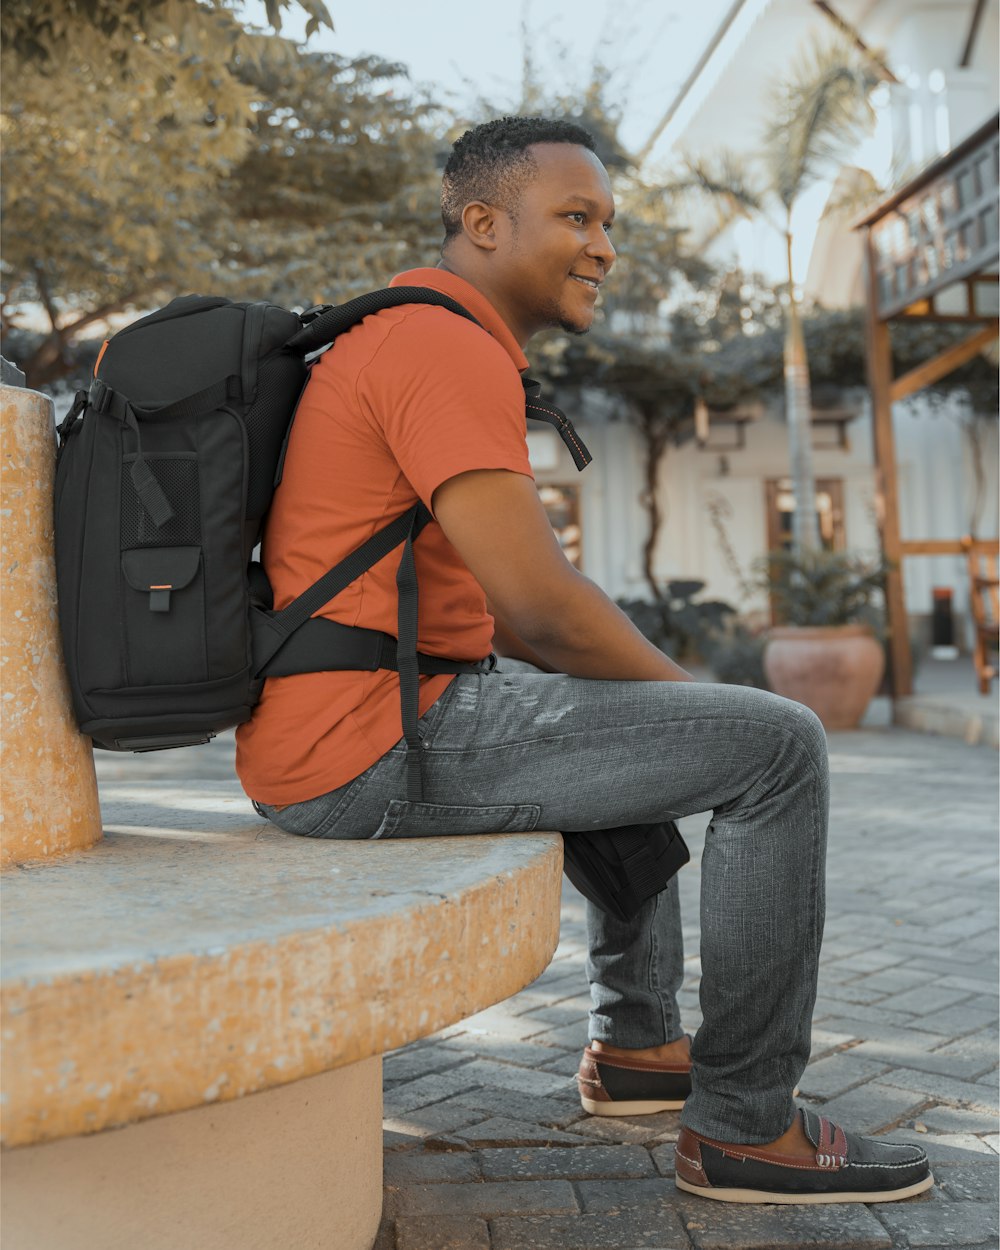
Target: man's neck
(521,334)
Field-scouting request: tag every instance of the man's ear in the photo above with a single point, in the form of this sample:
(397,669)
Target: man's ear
(479,225)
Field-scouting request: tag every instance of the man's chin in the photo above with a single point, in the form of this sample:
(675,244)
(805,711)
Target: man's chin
(576,327)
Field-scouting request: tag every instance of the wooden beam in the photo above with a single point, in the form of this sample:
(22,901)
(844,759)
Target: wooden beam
(982,546)
(885,73)
(879,357)
(965,319)
(970,43)
(943,363)
(932,547)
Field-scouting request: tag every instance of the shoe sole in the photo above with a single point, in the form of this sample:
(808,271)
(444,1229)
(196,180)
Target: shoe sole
(760,1195)
(647,1106)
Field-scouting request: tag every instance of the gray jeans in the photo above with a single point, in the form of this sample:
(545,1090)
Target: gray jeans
(518,750)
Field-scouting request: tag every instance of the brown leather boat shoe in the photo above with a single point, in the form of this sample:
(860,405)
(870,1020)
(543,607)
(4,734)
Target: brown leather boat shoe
(611,1085)
(845,1168)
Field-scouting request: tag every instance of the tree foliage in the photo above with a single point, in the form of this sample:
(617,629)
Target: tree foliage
(818,114)
(155,148)
(835,343)
(340,188)
(132,37)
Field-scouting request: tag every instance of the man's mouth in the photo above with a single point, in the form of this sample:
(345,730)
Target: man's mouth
(593,283)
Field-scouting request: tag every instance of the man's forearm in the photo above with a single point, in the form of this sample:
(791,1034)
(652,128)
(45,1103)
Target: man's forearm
(590,636)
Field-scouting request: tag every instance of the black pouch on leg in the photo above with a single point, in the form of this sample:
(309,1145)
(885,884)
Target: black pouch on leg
(619,869)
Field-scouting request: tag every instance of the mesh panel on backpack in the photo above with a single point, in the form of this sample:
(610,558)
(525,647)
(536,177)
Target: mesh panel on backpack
(178,479)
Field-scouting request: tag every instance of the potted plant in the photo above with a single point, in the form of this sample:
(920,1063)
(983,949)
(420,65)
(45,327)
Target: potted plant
(824,651)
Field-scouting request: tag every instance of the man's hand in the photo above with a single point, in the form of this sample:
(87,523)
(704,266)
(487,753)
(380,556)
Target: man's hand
(495,521)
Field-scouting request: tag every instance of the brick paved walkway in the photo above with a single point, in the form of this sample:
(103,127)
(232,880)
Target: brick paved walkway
(487,1147)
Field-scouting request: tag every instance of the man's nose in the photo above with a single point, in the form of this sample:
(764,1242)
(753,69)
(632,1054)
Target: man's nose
(600,247)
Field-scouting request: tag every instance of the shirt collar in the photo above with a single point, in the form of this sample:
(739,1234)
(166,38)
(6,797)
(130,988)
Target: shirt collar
(470,298)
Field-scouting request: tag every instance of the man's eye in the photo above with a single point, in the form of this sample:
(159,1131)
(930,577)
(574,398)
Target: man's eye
(582,217)
(608,227)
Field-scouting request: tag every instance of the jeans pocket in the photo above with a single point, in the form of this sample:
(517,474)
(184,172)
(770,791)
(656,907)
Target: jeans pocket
(432,820)
(314,818)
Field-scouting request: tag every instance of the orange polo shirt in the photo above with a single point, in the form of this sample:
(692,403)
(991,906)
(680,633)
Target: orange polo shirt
(405,400)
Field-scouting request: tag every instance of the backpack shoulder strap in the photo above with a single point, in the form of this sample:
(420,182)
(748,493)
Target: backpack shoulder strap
(538,409)
(281,625)
(325,322)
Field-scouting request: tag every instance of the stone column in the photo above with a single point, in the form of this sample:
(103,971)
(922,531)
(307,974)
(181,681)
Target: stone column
(48,790)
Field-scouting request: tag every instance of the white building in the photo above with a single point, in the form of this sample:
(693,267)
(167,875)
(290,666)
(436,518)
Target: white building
(943,54)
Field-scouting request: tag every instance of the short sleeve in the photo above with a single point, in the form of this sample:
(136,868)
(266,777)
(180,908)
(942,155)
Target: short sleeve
(447,398)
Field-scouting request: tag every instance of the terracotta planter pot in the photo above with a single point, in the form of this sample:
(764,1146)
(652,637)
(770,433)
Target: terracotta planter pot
(833,669)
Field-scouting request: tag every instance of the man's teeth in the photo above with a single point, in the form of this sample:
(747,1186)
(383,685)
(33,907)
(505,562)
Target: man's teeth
(586,281)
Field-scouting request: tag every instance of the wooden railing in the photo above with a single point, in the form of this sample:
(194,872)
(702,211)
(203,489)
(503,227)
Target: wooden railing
(941,229)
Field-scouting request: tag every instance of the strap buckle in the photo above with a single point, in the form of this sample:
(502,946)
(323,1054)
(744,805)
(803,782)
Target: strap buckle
(317,310)
(100,395)
(78,405)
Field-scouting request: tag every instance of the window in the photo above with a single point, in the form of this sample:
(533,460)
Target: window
(562,503)
(829,512)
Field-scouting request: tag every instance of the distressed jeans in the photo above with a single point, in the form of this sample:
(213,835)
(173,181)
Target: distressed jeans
(518,750)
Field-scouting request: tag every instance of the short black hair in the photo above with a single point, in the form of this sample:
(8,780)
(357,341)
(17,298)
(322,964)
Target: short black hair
(491,163)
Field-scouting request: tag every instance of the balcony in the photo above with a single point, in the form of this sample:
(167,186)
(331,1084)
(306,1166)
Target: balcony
(934,243)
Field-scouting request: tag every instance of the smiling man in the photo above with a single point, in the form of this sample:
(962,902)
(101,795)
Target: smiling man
(598,730)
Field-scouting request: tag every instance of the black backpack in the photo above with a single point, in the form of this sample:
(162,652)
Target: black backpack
(166,469)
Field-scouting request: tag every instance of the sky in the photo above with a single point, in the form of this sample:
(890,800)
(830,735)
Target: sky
(468,52)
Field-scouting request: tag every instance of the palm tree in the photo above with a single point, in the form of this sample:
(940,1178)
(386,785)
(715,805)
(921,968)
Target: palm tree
(817,113)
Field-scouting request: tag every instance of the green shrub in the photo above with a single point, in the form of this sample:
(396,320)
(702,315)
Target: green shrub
(736,655)
(676,623)
(822,588)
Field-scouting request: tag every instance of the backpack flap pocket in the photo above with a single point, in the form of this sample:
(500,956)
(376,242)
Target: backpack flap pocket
(160,571)
(164,615)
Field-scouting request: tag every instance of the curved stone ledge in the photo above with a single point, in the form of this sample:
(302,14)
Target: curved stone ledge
(196,955)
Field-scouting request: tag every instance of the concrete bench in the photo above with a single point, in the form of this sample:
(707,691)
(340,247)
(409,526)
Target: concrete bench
(195,1007)
(196,956)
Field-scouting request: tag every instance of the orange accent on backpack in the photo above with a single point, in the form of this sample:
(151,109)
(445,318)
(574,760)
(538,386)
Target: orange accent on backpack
(100,356)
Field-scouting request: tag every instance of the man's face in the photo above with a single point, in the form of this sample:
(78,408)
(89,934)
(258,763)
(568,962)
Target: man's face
(553,250)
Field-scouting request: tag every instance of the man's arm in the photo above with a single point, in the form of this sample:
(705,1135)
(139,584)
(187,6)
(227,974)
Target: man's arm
(496,522)
(506,642)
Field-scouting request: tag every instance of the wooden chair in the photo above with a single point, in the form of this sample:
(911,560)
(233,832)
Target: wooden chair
(983,597)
